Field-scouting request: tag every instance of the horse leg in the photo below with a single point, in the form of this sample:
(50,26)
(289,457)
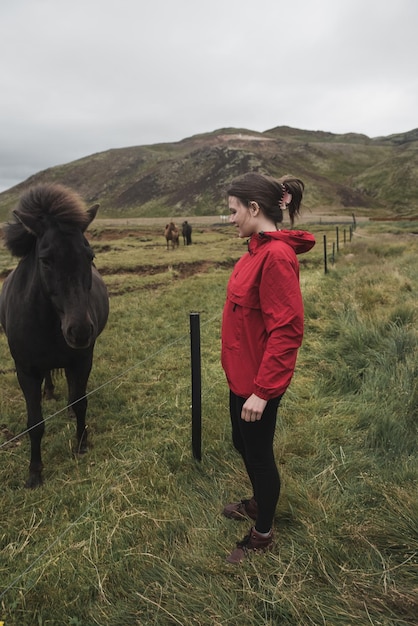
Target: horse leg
(77,378)
(49,387)
(32,390)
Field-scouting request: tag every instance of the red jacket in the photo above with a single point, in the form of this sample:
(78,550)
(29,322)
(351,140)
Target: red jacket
(262,326)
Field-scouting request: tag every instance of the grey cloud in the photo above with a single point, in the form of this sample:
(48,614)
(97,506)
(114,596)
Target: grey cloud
(84,76)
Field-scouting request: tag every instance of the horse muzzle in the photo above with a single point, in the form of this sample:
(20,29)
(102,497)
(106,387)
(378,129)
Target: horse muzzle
(79,335)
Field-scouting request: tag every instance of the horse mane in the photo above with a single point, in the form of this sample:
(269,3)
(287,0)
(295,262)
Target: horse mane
(49,204)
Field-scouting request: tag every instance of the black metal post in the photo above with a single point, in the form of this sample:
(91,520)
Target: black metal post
(338,239)
(196,386)
(325,254)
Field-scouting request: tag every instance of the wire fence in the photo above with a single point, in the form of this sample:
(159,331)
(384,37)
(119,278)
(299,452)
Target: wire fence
(123,373)
(196,398)
(335,248)
(105,384)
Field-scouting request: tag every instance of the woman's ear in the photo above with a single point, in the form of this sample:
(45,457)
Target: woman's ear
(287,198)
(254,208)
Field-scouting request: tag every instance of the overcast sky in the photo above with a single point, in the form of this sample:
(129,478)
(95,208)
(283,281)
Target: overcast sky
(83,76)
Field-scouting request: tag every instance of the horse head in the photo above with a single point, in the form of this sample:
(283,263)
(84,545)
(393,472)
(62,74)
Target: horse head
(65,264)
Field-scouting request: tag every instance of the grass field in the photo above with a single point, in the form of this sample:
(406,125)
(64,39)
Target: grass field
(131,534)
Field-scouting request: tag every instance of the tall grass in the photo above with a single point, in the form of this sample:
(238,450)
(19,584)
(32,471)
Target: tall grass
(132,532)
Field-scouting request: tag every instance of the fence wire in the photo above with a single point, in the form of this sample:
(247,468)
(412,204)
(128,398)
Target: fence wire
(92,504)
(108,382)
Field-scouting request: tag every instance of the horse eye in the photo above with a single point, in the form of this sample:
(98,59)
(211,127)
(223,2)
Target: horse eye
(90,252)
(46,261)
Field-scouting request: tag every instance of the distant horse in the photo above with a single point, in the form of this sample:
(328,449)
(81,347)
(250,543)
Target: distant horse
(186,230)
(171,233)
(53,305)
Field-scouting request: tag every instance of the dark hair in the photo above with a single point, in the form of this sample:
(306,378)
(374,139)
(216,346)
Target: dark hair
(268,192)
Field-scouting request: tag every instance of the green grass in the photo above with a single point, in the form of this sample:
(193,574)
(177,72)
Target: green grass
(132,532)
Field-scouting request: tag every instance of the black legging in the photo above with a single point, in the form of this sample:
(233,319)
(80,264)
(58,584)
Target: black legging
(254,441)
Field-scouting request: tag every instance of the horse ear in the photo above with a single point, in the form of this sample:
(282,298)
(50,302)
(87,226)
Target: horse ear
(28,222)
(92,212)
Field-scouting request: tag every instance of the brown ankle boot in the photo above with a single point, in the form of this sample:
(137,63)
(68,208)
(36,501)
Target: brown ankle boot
(253,542)
(241,510)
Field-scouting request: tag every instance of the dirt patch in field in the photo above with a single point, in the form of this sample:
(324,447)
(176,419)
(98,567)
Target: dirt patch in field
(139,234)
(183,270)
(180,272)
(110,234)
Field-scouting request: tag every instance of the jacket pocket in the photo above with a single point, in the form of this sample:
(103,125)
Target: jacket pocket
(232,326)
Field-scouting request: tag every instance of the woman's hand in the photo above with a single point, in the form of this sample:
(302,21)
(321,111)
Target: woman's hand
(253,408)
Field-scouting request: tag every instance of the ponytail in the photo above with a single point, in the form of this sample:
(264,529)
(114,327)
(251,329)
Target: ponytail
(269,193)
(295,187)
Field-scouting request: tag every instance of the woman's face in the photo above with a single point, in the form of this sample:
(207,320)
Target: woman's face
(240,215)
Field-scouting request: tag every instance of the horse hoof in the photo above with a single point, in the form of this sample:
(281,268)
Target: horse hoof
(80,451)
(34,481)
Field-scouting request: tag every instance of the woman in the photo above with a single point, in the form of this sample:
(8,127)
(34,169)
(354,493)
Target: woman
(262,329)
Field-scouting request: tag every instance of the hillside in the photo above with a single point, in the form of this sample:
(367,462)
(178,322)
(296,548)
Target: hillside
(342,173)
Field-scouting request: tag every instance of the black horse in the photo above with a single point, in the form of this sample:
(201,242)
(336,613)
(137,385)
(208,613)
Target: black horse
(53,305)
(186,230)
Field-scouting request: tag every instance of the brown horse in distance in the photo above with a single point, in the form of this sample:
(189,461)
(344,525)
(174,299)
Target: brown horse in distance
(171,233)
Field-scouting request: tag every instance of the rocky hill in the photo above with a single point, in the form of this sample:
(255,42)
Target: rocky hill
(342,173)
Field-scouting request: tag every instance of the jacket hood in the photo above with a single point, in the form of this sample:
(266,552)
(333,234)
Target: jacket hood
(300,240)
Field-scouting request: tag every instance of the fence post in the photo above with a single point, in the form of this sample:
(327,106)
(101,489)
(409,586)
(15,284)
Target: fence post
(325,255)
(196,386)
(338,239)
